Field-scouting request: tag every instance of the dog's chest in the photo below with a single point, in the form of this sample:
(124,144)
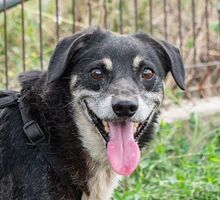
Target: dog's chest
(101,185)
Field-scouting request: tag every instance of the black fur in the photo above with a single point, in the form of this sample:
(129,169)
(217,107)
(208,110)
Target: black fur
(24,173)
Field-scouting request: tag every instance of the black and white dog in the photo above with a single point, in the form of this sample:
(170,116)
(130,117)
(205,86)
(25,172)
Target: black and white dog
(95,107)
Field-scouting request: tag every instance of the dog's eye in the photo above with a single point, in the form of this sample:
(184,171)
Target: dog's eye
(96,74)
(147,73)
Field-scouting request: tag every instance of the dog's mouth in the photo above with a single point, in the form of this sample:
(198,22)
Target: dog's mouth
(103,126)
(121,139)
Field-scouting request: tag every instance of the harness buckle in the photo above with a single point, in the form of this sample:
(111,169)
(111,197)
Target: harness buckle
(34,132)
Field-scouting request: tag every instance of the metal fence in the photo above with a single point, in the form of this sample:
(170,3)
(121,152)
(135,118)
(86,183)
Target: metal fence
(192,25)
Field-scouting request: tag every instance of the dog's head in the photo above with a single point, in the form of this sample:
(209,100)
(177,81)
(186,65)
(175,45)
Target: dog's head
(117,83)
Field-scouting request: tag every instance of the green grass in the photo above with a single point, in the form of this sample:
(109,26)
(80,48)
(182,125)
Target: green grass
(183,162)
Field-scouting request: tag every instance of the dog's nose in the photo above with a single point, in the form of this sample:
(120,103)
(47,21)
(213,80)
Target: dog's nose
(124,107)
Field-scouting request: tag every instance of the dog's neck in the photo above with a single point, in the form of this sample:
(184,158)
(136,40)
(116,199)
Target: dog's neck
(104,179)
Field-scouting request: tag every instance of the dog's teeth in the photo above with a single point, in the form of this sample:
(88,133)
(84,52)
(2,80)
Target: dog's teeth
(135,127)
(105,123)
(106,129)
(106,126)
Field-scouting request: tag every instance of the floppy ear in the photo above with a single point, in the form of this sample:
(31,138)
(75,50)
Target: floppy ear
(171,58)
(63,53)
(175,63)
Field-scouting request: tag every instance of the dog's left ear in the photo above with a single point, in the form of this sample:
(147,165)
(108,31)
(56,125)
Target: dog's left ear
(171,57)
(64,52)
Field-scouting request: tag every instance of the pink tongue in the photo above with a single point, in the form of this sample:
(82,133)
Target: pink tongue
(122,150)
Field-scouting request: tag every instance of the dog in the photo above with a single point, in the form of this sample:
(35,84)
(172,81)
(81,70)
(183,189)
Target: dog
(76,129)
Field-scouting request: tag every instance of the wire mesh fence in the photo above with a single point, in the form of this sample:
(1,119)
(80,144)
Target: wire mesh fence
(30,29)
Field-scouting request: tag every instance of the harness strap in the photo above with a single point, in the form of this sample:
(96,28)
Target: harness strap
(38,138)
(31,127)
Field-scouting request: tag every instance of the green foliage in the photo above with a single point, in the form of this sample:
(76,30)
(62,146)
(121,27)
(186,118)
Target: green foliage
(181,163)
(32,44)
(174,95)
(189,43)
(31,23)
(215,26)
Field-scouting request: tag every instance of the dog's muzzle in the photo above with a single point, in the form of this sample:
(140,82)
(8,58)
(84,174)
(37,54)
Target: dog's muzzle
(121,134)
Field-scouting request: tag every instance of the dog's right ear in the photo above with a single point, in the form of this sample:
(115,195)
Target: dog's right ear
(64,52)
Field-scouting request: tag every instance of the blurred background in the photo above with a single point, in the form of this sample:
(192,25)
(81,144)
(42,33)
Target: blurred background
(183,161)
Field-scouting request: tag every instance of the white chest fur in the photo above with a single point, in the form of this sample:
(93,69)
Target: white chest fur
(102,185)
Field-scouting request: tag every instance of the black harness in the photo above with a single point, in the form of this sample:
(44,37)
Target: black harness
(38,138)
